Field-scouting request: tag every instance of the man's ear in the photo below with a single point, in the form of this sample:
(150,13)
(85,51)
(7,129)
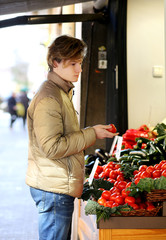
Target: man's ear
(55,64)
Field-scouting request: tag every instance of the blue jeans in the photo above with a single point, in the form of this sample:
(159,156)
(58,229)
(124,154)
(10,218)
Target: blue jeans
(55,214)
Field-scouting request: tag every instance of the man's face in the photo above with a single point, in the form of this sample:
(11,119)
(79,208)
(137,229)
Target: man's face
(68,70)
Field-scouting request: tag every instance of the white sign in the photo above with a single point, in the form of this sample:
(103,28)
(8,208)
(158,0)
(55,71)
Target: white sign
(117,140)
(118,147)
(93,171)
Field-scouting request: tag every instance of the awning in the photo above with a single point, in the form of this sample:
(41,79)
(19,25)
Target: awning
(19,6)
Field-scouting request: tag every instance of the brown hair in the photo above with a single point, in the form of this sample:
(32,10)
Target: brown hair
(65,48)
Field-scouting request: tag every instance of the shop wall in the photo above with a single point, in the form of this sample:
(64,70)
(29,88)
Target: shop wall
(145,50)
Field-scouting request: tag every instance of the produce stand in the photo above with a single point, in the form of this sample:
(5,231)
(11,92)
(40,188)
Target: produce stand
(127,193)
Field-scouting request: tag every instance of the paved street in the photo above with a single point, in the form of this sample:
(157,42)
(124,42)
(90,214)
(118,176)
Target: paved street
(18,216)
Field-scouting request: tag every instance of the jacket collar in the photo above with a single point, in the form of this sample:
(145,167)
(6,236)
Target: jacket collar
(65,85)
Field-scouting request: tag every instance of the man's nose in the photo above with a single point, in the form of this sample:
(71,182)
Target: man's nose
(78,67)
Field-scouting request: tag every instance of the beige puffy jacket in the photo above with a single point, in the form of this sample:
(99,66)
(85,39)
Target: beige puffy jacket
(56,143)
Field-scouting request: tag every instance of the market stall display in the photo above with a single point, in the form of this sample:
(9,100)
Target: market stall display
(125,187)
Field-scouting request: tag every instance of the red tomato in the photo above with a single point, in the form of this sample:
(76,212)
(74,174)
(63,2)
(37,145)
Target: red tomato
(107,172)
(128,184)
(101,201)
(118,171)
(110,165)
(157,166)
(111,180)
(163,173)
(117,166)
(150,206)
(136,181)
(129,200)
(125,193)
(121,185)
(120,178)
(99,169)
(142,168)
(145,174)
(113,174)
(142,206)
(113,196)
(96,176)
(112,128)
(116,190)
(119,200)
(108,204)
(101,175)
(115,204)
(163,166)
(150,169)
(135,172)
(156,173)
(106,194)
(134,206)
(162,162)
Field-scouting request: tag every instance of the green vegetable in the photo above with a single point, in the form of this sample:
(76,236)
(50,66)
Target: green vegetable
(138,153)
(160,128)
(93,190)
(144,162)
(144,140)
(128,169)
(147,185)
(125,151)
(91,206)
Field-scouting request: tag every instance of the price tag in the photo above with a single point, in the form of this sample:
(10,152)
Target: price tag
(119,147)
(93,171)
(113,145)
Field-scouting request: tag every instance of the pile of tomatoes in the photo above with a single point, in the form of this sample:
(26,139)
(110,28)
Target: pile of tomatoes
(145,171)
(118,194)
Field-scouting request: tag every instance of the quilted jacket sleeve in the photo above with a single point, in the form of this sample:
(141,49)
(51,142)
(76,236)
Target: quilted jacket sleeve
(50,131)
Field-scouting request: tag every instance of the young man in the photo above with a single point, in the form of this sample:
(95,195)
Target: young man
(55,171)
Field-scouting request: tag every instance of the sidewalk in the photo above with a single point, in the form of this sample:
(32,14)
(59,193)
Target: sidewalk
(18,214)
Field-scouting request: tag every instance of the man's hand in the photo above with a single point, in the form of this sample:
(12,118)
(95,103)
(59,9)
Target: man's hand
(102,132)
